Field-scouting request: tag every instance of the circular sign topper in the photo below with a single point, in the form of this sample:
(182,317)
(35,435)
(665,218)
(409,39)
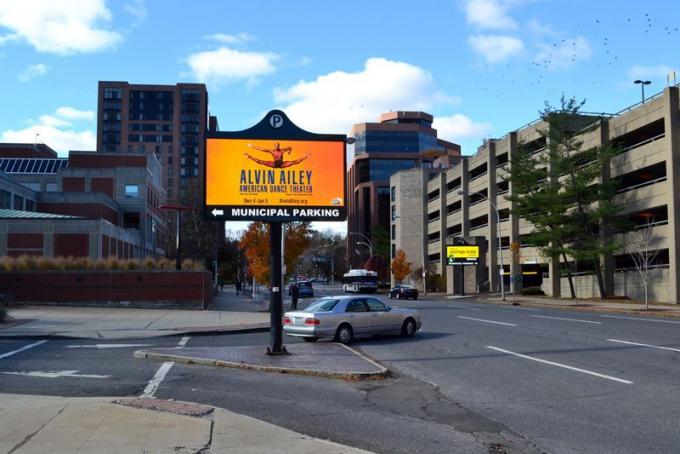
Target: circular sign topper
(276,121)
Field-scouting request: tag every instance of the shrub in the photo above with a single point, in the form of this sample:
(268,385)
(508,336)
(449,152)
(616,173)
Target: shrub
(30,263)
(150,263)
(532,291)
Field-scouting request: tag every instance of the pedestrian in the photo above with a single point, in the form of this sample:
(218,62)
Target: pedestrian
(294,292)
(237,284)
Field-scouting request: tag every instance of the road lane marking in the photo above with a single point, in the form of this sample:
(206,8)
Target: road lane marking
(644,345)
(584,371)
(183,342)
(567,319)
(108,346)
(19,350)
(155,382)
(486,321)
(57,374)
(515,308)
(160,374)
(640,319)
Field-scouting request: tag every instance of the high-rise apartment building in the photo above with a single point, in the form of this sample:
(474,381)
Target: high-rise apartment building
(399,141)
(169,120)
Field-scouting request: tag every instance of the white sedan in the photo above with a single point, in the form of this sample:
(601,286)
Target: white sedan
(344,317)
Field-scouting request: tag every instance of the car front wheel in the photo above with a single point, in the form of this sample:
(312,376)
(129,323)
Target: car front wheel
(408,329)
(344,334)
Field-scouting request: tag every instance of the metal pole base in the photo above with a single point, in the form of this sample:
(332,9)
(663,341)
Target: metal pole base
(283,351)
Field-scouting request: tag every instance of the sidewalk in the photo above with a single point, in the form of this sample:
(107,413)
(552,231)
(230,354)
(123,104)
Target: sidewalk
(39,424)
(228,313)
(587,304)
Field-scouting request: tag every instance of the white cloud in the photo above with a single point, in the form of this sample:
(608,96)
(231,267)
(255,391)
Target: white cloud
(226,65)
(649,72)
(59,26)
(32,71)
(224,38)
(137,9)
(75,114)
(540,28)
(56,131)
(489,14)
(457,128)
(334,102)
(495,48)
(565,55)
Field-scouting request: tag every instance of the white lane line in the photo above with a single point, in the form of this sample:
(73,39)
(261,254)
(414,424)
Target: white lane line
(155,382)
(57,374)
(160,374)
(640,319)
(567,319)
(102,346)
(25,347)
(644,345)
(486,321)
(515,308)
(183,342)
(584,371)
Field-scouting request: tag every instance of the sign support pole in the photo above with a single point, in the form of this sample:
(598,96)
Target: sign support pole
(276,302)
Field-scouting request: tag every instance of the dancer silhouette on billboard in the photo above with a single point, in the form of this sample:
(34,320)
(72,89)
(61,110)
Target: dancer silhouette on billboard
(277,154)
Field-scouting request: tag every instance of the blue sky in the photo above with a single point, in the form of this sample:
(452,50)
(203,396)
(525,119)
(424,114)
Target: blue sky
(481,67)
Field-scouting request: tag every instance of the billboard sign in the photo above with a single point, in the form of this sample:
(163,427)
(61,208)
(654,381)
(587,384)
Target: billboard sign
(462,255)
(275,171)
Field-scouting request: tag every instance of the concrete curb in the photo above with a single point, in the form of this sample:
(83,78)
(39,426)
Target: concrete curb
(382,373)
(584,307)
(171,332)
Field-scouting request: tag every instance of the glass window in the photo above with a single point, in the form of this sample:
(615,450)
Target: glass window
(32,186)
(356,306)
(5,199)
(322,306)
(51,187)
(393,194)
(18,202)
(131,190)
(375,305)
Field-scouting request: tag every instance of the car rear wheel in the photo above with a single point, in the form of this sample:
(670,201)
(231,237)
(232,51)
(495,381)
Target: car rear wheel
(408,329)
(311,339)
(344,334)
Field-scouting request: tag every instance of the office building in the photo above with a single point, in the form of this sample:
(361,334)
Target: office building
(400,140)
(168,120)
(646,168)
(90,204)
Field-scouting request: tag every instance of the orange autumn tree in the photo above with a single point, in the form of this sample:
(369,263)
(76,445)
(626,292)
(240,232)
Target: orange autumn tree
(400,267)
(255,244)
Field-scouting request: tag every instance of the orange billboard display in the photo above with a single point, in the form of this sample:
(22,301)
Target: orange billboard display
(272,179)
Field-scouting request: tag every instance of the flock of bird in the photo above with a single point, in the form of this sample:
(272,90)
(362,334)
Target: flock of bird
(565,53)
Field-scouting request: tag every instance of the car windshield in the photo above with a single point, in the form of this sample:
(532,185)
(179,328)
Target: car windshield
(322,306)
(304,284)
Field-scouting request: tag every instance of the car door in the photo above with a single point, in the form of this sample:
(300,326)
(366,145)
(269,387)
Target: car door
(358,315)
(381,318)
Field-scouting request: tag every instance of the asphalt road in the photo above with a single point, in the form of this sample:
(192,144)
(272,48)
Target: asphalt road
(476,376)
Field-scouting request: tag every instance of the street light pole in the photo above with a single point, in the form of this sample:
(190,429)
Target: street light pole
(423,246)
(370,248)
(178,237)
(498,234)
(368,241)
(642,84)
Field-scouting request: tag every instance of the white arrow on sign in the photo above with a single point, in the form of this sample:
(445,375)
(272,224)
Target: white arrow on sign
(216,212)
(57,374)
(108,346)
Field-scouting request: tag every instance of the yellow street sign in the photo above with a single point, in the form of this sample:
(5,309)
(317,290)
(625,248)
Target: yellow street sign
(462,252)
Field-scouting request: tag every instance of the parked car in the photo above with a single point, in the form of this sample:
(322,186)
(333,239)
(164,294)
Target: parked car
(403,291)
(305,289)
(343,317)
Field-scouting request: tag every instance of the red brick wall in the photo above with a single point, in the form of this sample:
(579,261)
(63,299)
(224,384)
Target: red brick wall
(106,160)
(24,244)
(190,289)
(71,244)
(86,210)
(104,185)
(73,184)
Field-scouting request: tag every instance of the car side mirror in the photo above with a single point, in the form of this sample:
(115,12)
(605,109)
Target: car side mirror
(388,308)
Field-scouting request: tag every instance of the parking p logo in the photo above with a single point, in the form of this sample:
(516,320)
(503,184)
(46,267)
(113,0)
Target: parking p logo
(276,121)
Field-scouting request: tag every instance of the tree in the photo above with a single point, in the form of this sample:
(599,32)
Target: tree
(565,192)
(200,237)
(400,267)
(644,257)
(255,244)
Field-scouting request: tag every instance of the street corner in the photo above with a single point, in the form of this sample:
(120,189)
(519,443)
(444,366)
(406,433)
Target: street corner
(328,359)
